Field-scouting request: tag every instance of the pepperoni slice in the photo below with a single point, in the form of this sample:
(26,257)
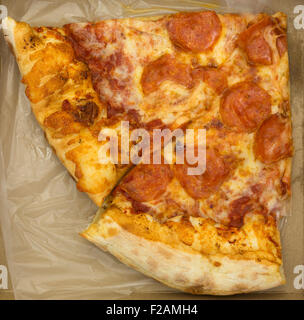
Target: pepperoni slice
(147,182)
(196,31)
(245,106)
(165,68)
(273,140)
(215,78)
(202,186)
(253,42)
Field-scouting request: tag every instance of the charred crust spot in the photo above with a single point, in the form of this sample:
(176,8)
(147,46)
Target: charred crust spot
(88,112)
(84,114)
(32,42)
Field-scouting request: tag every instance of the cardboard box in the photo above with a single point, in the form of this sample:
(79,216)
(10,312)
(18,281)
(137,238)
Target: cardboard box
(18,210)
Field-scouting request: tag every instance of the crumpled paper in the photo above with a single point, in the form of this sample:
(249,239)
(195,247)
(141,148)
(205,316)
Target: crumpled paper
(41,211)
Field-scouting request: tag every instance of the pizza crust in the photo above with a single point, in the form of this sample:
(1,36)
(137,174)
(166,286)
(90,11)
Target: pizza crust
(176,264)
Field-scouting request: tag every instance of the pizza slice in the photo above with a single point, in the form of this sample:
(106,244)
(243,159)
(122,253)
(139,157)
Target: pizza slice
(65,104)
(216,232)
(213,233)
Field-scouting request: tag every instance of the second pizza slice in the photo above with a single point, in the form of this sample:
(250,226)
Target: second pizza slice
(215,232)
